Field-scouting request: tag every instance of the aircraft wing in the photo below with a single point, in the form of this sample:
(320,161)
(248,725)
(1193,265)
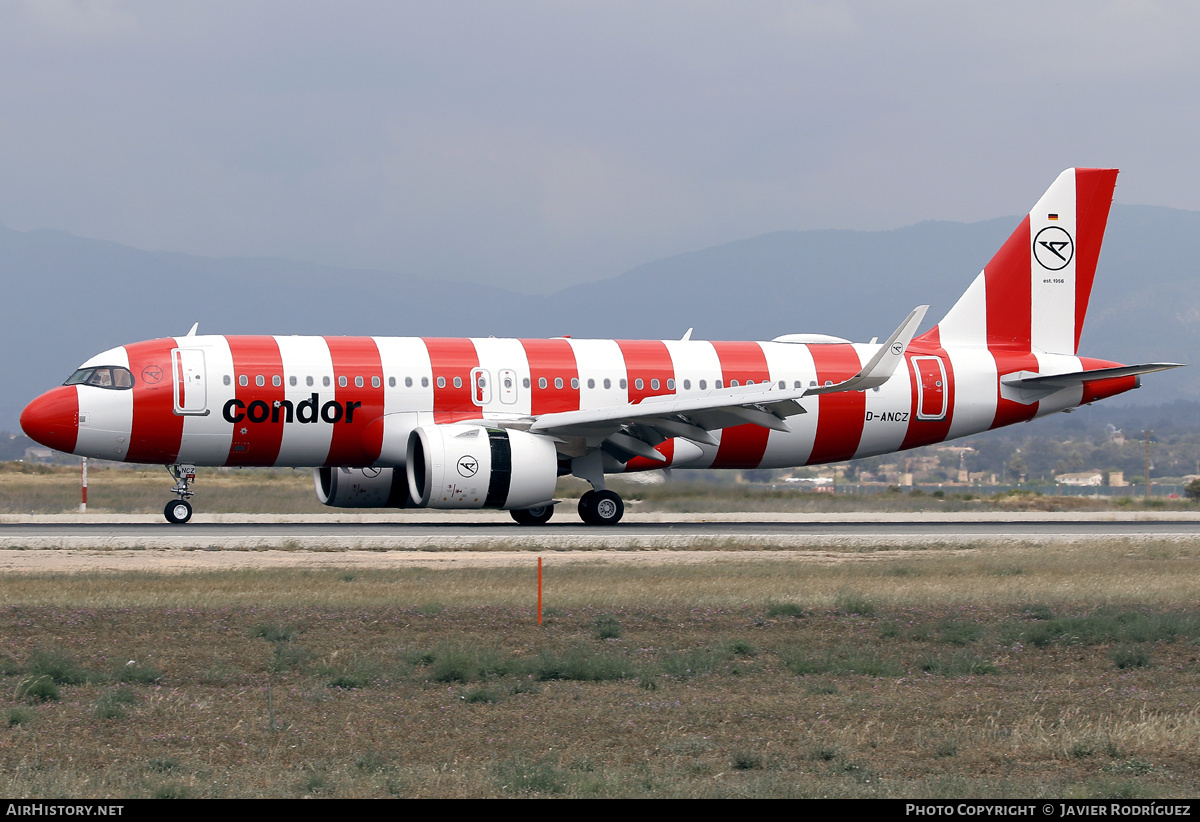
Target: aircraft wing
(880,367)
(635,429)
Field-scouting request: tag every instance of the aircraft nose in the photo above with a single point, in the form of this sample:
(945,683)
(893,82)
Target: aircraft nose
(53,418)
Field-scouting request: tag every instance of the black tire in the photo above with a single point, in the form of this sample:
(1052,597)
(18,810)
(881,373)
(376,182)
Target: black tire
(533,516)
(587,507)
(605,508)
(178,511)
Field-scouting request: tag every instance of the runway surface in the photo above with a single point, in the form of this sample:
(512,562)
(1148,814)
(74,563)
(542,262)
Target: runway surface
(662,531)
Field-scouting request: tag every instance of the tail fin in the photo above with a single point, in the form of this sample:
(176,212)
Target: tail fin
(1034,293)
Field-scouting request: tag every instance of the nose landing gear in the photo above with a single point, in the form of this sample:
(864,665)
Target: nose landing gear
(179,511)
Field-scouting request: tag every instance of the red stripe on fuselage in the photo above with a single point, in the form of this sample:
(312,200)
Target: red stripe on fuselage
(550,360)
(355,441)
(451,358)
(647,360)
(1093,197)
(157,430)
(256,443)
(1008,293)
(1010,411)
(742,446)
(840,415)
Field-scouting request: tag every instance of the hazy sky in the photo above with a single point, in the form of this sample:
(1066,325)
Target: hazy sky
(539,144)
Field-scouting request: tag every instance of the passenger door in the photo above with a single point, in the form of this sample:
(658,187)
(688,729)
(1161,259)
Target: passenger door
(191,387)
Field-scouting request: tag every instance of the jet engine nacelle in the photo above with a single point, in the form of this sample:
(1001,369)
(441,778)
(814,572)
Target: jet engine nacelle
(469,466)
(361,487)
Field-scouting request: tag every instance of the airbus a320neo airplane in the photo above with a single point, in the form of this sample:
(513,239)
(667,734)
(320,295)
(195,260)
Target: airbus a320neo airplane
(492,423)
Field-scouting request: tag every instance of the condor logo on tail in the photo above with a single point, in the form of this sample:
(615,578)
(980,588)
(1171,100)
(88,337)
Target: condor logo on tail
(1052,248)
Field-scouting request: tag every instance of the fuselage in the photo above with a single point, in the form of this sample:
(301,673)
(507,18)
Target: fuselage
(353,401)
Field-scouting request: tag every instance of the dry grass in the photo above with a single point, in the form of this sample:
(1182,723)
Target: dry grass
(955,672)
(1077,574)
(145,490)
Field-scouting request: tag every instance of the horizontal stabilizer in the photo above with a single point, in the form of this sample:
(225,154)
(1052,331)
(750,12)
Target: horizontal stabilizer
(1028,379)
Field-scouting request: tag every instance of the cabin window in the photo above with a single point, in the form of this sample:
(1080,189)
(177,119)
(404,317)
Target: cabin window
(525,382)
(687,385)
(358,382)
(671,385)
(638,384)
(541,382)
(325,381)
(558,382)
(654,385)
(591,383)
(716,383)
(574,382)
(342,382)
(607,383)
(391,382)
(733,383)
(375,382)
(243,381)
(408,382)
(424,382)
(308,381)
(703,385)
(441,382)
(260,380)
(623,383)
(782,384)
(276,380)
(291,380)
(226,379)
(458,382)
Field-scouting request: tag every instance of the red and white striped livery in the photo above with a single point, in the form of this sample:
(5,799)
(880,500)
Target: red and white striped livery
(492,423)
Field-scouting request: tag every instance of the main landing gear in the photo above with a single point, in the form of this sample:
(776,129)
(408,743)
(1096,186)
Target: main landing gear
(595,508)
(533,516)
(601,508)
(179,511)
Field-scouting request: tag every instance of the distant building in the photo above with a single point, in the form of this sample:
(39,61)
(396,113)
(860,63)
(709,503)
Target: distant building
(35,453)
(1085,478)
(812,483)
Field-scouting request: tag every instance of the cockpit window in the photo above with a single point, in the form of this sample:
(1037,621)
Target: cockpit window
(104,376)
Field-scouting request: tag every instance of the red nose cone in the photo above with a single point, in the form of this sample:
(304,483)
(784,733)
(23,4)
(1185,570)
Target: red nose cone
(53,418)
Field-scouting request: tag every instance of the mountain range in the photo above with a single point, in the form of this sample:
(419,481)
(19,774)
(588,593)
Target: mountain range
(69,297)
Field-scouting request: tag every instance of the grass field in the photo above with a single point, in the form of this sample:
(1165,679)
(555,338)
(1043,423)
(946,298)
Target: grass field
(954,671)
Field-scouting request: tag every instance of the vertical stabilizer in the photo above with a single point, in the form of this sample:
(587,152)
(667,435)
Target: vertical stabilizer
(1034,293)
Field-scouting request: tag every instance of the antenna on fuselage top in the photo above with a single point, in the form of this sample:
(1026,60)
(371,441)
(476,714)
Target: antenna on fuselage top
(192,330)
